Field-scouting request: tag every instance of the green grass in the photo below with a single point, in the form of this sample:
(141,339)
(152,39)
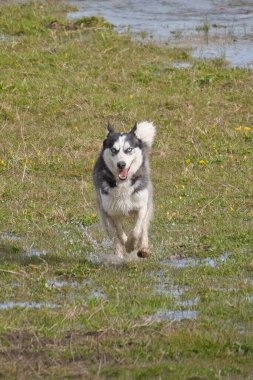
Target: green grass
(60,83)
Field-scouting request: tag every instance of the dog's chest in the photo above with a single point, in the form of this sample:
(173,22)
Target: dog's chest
(121,200)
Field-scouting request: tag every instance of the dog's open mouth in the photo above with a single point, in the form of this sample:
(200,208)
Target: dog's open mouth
(123,173)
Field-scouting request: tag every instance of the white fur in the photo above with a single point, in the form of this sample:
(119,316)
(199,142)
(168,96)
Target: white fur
(133,160)
(146,132)
(120,201)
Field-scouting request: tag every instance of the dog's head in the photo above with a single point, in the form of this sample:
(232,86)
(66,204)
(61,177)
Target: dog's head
(122,152)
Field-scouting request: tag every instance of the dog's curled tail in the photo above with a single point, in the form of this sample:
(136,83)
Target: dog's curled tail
(145,131)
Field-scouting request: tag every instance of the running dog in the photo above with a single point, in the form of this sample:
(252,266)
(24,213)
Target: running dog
(121,177)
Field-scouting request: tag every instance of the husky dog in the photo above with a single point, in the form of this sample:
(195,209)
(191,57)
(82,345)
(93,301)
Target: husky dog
(121,177)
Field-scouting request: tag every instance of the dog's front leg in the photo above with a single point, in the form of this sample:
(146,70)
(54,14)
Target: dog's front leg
(135,236)
(116,222)
(119,238)
(112,232)
(143,250)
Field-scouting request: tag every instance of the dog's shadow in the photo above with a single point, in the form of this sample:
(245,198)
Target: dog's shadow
(13,253)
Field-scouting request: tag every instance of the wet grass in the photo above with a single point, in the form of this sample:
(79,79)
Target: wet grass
(59,86)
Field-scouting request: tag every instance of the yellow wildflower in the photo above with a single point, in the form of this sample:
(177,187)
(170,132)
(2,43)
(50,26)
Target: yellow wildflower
(202,162)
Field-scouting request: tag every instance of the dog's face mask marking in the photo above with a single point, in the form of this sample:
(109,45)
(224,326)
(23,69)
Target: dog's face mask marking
(122,153)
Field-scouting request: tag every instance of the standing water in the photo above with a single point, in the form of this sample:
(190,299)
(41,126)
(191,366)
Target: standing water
(212,28)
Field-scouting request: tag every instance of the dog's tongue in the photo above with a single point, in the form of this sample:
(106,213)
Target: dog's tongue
(123,173)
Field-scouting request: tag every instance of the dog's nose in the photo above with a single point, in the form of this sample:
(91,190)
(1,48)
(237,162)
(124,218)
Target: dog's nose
(121,164)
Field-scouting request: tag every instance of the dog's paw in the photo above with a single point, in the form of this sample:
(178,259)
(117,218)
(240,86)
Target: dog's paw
(143,253)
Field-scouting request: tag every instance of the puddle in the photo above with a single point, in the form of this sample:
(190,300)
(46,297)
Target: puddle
(8,236)
(181,65)
(244,328)
(95,293)
(249,281)
(15,284)
(170,290)
(98,295)
(165,285)
(214,29)
(4,37)
(185,262)
(172,65)
(237,52)
(52,283)
(172,315)
(30,305)
(174,291)
(228,289)
(36,252)
(188,303)
(61,284)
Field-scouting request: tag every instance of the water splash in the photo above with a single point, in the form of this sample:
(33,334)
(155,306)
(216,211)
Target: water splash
(88,236)
(111,259)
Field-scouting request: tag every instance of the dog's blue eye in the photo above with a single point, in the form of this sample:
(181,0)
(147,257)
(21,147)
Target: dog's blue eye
(129,150)
(113,150)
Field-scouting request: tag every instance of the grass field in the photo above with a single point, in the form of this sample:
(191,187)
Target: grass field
(65,311)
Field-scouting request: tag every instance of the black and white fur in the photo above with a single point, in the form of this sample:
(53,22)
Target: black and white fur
(121,177)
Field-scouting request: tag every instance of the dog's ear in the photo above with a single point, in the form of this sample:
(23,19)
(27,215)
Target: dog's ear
(109,128)
(133,130)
